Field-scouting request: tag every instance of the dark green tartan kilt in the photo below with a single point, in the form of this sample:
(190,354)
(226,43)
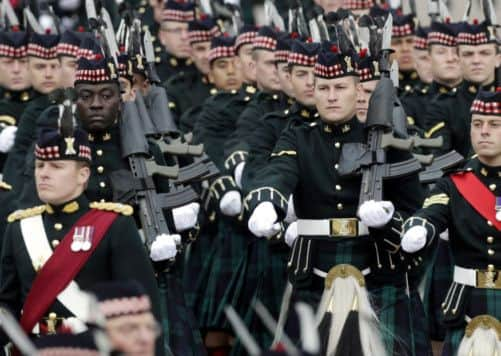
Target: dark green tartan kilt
(477,302)
(180,329)
(437,282)
(197,262)
(267,274)
(226,280)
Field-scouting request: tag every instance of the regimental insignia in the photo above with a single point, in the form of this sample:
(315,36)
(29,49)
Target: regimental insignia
(107,136)
(414,76)
(113,73)
(25,96)
(82,238)
(173,62)
(349,67)
(376,69)
(305,113)
(139,60)
(345,128)
(70,143)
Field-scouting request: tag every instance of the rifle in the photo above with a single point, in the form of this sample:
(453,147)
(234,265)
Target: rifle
(16,334)
(370,159)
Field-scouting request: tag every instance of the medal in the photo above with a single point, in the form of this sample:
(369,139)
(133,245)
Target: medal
(498,208)
(82,238)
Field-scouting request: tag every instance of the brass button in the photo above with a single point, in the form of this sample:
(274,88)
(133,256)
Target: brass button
(339,206)
(337,145)
(336,166)
(490,252)
(100,169)
(275,97)
(490,239)
(102,184)
(338,187)
(492,187)
(58,226)
(99,152)
(489,223)
(54,243)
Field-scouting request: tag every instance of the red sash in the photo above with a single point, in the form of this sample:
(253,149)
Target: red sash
(62,267)
(478,195)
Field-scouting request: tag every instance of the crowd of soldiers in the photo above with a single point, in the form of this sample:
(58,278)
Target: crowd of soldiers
(178,182)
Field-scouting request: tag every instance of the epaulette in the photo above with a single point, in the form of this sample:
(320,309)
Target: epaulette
(120,208)
(26,213)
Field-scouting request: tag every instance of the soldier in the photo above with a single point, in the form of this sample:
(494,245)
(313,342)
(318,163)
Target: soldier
(267,99)
(281,54)
(445,70)
(45,73)
(368,72)
(130,324)
(323,198)
(16,84)
(68,50)
(68,243)
(173,35)
(422,57)
(225,76)
(301,61)
(243,51)
(470,194)
(200,33)
(478,57)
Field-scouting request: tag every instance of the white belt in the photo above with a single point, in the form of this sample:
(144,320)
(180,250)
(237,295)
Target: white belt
(323,274)
(342,227)
(490,279)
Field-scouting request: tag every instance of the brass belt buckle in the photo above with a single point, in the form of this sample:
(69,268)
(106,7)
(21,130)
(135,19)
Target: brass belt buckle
(489,278)
(344,227)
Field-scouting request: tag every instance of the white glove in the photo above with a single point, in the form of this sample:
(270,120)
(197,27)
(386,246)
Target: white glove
(291,212)
(376,213)
(164,247)
(414,239)
(75,325)
(186,216)
(291,234)
(7,137)
(239,169)
(263,221)
(231,203)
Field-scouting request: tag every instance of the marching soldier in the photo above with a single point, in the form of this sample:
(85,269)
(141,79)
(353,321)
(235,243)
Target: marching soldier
(173,35)
(16,84)
(470,194)
(478,57)
(446,75)
(129,322)
(45,73)
(323,200)
(268,99)
(188,89)
(68,243)
(301,61)
(243,52)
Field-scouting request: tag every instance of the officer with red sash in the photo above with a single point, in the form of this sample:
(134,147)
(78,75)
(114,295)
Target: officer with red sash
(468,203)
(53,251)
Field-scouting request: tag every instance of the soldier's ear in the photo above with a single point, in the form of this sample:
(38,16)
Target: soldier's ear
(83,174)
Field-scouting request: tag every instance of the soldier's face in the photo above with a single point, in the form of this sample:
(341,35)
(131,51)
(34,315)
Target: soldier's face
(174,36)
(284,75)
(303,84)
(364,92)
(133,334)
(45,74)
(58,182)
(423,65)
(98,105)
(15,74)
(336,98)
(478,63)
(266,71)
(224,74)
(445,64)
(200,56)
(245,64)
(68,71)
(486,138)
(403,52)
